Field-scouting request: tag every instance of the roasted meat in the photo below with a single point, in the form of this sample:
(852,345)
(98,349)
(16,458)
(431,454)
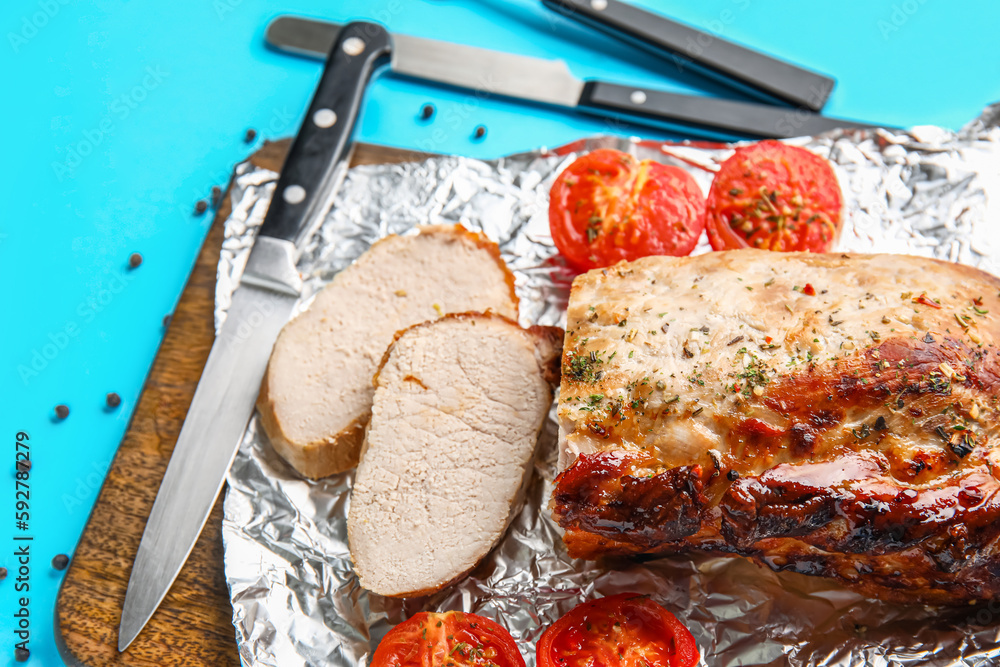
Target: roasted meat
(829,414)
(316,397)
(458,406)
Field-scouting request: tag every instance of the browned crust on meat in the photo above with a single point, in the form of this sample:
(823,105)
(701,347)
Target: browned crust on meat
(882,540)
(316,459)
(548,346)
(879,469)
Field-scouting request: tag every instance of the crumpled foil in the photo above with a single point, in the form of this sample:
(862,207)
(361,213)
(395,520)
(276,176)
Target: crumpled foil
(296,600)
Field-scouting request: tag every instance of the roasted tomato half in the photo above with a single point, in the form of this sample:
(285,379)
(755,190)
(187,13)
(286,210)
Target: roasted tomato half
(627,630)
(608,206)
(452,638)
(773,196)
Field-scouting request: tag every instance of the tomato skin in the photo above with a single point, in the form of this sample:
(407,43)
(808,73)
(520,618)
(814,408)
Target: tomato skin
(607,207)
(773,196)
(430,639)
(625,630)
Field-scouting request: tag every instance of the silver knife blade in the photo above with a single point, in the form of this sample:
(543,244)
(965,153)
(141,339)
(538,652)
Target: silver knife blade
(551,82)
(506,74)
(269,288)
(209,439)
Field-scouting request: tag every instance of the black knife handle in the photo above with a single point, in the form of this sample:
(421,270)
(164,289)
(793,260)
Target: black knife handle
(690,111)
(308,174)
(750,71)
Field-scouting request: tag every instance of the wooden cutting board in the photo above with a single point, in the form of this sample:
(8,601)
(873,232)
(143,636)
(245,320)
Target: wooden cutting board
(193,626)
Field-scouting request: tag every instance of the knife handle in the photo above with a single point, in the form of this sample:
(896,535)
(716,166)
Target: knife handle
(309,171)
(749,71)
(690,111)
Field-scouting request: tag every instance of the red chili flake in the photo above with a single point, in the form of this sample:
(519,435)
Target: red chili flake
(927,301)
(809,290)
(768,339)
(978,301)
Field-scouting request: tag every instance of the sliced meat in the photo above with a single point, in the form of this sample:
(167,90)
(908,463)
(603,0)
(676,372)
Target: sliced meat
(316,396)
(828,414)
(459,403)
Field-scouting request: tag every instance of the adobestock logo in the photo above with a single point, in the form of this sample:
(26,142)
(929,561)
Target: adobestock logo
(900,15)
(87,311)
(119,109)
(30,25)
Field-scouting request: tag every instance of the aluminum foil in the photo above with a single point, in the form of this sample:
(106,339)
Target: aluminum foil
(296,600)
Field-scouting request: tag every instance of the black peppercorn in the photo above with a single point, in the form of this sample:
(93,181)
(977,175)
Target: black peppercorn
(250,135)
(21,654)
(733,475)
(200,206)
(113,400)
(166,320)
(3,573)
(427,111)
(23,465)
(60,561)
(480,132)
(62,411)
(134,260)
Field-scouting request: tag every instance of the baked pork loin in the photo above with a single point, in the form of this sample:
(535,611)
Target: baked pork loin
(459,403)
(833,415)
(316,396)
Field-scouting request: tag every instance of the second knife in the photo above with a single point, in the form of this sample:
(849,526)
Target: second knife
(551,82)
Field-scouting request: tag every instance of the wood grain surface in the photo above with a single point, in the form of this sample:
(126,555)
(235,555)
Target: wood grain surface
(193,626)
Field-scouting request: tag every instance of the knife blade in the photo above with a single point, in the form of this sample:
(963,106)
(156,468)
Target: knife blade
(551,82)
(261,305)
(752,72)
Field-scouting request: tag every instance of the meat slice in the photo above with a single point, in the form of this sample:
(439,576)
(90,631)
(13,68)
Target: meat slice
(830,414)
(459,403)
(316,397)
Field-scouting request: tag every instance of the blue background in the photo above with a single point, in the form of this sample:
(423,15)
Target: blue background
(118,116)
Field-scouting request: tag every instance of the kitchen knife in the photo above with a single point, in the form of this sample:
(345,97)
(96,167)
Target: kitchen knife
(551,82)
(270,286)
(749,71)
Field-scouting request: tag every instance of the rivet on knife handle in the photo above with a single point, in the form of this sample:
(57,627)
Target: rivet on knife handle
(750,71)
(551,82)
(224,398)
(310,166)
